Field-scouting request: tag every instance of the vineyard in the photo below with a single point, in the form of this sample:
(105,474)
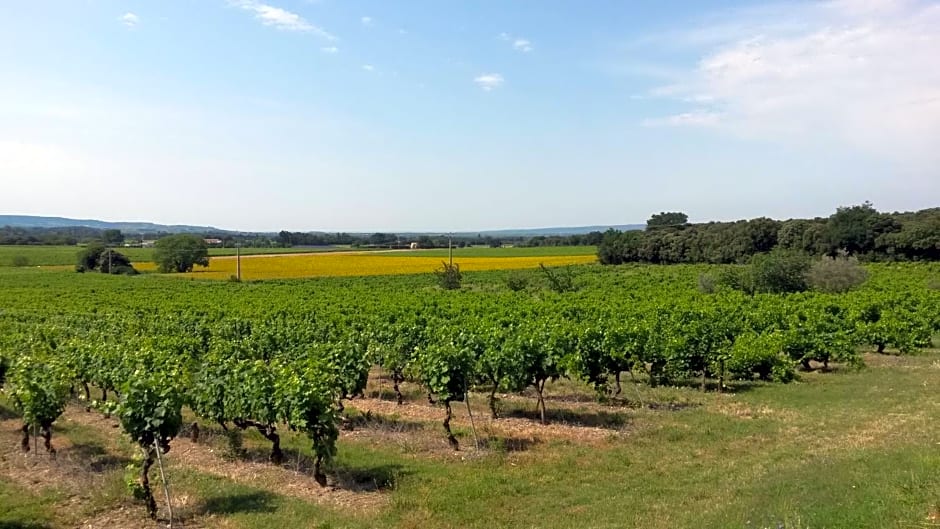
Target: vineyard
(298,367)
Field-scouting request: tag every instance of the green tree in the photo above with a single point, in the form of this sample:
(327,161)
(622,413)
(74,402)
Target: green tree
(105,260)
(179,253)
(88,258)
(672,218)
(779,272)
(856,228)
(112,237)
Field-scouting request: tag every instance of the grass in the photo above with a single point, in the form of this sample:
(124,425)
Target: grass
(843,449)
(22,509)
(66,255)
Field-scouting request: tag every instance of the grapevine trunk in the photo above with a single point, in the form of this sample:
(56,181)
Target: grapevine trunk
(450,435)
(144,481)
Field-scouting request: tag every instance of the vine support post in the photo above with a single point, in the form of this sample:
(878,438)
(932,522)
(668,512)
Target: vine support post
(166,486)
(540,388)
(721,375)
(238,261)
(473,428)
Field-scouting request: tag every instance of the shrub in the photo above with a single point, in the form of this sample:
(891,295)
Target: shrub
(517,281)
(448,276)
(836,274)
(776,272)
(561,282)
(779,272)
(707,284)
(737,278)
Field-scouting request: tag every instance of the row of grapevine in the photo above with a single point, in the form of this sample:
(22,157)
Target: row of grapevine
(269,370)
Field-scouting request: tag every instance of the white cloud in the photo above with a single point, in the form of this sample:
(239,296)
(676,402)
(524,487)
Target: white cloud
(518,43)
(368,67)
(698,117)
(366,21)
(522,45)
(489,81)
(860,73)
(281,18)
(130,19)
(330,49)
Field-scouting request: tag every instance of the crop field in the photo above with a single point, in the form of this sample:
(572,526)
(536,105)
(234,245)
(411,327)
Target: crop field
(632,400)
(361,264)
(520,251)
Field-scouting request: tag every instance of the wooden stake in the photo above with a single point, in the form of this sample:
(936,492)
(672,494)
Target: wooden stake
(166,486)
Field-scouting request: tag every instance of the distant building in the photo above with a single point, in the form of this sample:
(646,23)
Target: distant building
(213,242)
(414,246)
(147,244)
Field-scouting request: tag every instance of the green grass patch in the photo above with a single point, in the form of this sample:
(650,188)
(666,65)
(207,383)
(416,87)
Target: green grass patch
(22,509)
(31,256)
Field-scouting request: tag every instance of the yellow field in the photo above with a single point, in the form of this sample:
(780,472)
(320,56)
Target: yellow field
(360,264)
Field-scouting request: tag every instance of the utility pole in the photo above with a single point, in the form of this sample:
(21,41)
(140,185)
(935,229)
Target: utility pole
(450,249)
(109,260)
(238,260)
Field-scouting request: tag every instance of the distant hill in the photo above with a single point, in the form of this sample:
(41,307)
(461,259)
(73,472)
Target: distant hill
(547,232)
(29,221)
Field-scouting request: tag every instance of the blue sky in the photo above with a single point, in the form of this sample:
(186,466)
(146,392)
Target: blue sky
(431,115)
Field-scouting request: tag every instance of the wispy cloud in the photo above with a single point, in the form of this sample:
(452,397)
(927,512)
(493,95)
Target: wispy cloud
(863,73)
(368,67)
(330,49)
(366,21)
(489,81)
(518,43)
(130,19)
(281,18)
(698,118)
(522,45)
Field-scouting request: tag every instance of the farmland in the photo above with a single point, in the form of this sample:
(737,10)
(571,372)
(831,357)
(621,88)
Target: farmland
(364,264)
(283,263)
(853,445)
(65,255)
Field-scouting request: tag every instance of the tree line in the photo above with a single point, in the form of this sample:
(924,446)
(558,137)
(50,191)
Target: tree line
(860,231)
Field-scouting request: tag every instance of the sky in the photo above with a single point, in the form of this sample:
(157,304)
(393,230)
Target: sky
(432,115)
